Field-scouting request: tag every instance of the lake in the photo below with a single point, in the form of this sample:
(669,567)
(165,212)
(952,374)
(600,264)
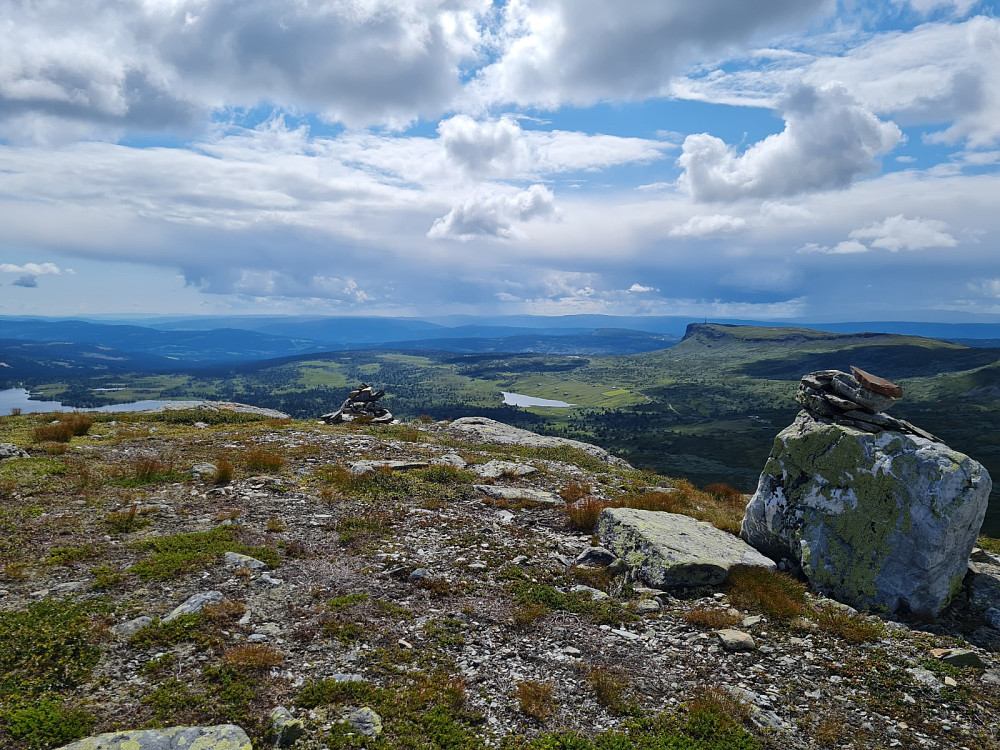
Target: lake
(17,398)
(519,399)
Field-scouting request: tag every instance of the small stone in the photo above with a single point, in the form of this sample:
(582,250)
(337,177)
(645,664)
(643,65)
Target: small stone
(950,682)
(194,604)
(257,638)
(266,580)
(924,677)
(751,620)
(991,676)
(496,469)
(236,560)
(449,459)
(365,721)
(960,657)
(571,651)
(125,629)
(404,643)
(286,728)
(647,606)
(877,384)
(595,594)
(597,556)
(476,567)
(736,640)
(201,425)
(419,574)
(203,469)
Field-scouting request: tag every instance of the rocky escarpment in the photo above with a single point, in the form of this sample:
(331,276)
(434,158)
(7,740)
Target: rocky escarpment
(447,594)
(875,512)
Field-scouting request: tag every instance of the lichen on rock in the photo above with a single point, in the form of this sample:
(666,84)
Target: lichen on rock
(882,521)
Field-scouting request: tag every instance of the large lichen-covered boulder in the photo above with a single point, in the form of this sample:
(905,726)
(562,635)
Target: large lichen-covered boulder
(220,737)
(881,521)
(668,549)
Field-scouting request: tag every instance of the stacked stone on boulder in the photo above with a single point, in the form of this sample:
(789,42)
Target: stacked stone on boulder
(362,404)
(876,512)
(858,400)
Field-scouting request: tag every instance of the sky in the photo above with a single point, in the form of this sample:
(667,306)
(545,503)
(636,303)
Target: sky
(773,160)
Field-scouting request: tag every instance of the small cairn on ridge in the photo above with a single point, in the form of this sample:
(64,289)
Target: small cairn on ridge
(857,400)
(362,404)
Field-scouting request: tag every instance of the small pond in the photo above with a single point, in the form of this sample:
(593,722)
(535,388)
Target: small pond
(519,399)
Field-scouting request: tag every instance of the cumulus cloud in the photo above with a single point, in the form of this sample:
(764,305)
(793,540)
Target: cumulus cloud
(640,289)
(555,52)
(704,225)
(829,140)
(102,64)
(31,269)
(899,233)
(493,215)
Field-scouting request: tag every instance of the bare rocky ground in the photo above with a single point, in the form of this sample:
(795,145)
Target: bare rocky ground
(415,593)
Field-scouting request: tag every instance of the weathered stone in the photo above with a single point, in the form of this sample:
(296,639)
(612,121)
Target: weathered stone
(848,387)
(363,467)
(203,469)
(285,727)
(449,459)
(594,594)
(959,657)
(598,556)
(125,629)
(236,560)
(220,737)
(877,384)
(194,604)
(491,431)
(365,721)
(9,450)
(881,522)
(668,549)
(735,640)
(519,494)
(496,469)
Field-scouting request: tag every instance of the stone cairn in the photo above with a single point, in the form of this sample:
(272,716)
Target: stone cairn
(362,404)
(857,400)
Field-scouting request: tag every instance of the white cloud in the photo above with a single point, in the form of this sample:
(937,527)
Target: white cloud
(640,289)
(847,247)
(556,52)
(32,269)
(899,233)
(704,225)
(493,215)
(828,141)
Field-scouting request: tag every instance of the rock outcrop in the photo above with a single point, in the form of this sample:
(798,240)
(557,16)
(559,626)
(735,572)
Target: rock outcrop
(221,737)
(878,515)
(362,404)
(491,431)
(668,549)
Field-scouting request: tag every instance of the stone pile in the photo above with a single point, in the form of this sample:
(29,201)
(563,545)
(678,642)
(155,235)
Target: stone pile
(857,400)
(362,403)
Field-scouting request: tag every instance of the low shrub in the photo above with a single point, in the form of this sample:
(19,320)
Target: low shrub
(123,522)
(46,724)
(535,699)
(851,627)
(259,459)
(610,688)
(254,657)
(769,592)
(223,472)
(711,617)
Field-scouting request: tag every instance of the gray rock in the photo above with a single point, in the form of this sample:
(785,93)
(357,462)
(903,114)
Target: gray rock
(217,406)
(125,629)
(236,560)
(960,657)
(496,469)
(285,727)
(879,521)
(519,494)
(363,467)
(9,450)
(220,737)
(491,431)
(993,618)
(647,606)
(848,387)
(204,469)
(597,556)
(735,640)
(194,604)
(984,590)
(668,549)
(991,676)
(596,595)
(924,677)
(419,574)
(265,580)
(365,721)
(449,459)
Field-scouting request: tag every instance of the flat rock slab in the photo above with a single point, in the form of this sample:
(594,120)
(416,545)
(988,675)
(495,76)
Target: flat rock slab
(491,431)
(194,604)
(669,549)
(519,494)
(363,467)
(496,469)
(220,737)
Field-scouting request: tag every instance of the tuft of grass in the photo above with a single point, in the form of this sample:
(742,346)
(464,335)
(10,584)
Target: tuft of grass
(771,593)
(356,531)
(583,514)
(574,490)
(610,690)
(853,628)
(711,617)
(148,470)
(275,525)
(123,522)
(53,433)
(254,657)
(535,699)
(184,553)
(259,459)
(223,472)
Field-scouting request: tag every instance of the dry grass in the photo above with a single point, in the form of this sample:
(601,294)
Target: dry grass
(259,459)
(574,490)
(223,472)
(610,688)
(275,525)
(71,425)
(535,699)
(766,591)
(710,617)
(254,656)
(853,628)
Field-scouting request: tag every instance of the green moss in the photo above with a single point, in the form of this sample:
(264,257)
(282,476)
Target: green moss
(46,724)
(67,555)
(184,553)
